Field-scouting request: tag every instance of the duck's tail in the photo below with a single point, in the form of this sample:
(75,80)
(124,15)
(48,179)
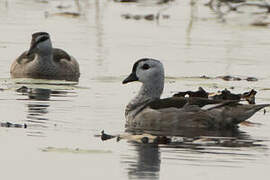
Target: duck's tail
(246,111)
(230,115)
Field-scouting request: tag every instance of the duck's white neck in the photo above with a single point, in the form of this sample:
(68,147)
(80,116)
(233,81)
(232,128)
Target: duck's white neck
(152,89)
(149,91)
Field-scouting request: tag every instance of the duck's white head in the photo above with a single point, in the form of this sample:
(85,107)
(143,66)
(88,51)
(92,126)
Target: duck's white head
(151,73)
(146,70)
(40,44)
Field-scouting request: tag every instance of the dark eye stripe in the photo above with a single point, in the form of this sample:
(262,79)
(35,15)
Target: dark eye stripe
(35,42)
(43,38)
(145,66)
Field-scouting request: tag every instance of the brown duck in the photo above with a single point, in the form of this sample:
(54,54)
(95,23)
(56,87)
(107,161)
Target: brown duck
(42,61)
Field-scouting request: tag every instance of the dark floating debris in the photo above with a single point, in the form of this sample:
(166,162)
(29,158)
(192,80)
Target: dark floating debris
(225,7)
(221,95)
(12,125)
(60,6)
(231,78)
(186,142)
(235,78)
(136,1)
(126,1)
(43,1)
(148,17)
(66,14)
(1,46)
(251,79)
(106,136)
(22,89)
(143,138)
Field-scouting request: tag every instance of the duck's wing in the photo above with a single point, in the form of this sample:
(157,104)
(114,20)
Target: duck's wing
(59,54)
(68,66)
(25,58)
(17,67)
(180,102)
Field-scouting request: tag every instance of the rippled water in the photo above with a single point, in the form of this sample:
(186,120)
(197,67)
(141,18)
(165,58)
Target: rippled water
(59,141)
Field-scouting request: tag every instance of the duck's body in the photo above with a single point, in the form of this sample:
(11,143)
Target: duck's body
(148,112)
(189,116)
(42,61)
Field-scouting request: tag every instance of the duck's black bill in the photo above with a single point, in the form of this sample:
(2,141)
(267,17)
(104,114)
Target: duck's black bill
(132,77)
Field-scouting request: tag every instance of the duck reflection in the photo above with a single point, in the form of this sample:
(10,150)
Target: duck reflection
(37,110)
(146,162)
(38,103)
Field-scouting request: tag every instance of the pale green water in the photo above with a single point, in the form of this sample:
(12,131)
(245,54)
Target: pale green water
(59,142)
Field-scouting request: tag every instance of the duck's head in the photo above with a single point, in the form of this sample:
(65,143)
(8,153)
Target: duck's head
(147,71)
(40,44)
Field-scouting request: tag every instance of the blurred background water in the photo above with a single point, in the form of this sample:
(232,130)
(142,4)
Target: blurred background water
(190,39)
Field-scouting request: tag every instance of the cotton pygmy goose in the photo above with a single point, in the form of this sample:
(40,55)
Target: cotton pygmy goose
(148,112)
(42,61)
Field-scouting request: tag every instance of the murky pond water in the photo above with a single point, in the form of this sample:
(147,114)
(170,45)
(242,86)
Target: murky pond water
(59,141)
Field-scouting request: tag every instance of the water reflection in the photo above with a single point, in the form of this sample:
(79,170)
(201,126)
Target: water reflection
(38,103)
(146,164)
(190,132)
(192,19)
(99,32)
(37,116)
(231,148)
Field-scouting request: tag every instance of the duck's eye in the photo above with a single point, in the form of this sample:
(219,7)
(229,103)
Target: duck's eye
(145,66)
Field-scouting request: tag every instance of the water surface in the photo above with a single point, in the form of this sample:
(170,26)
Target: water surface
(59,141)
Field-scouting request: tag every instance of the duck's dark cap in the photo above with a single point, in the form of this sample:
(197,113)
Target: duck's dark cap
(34,35)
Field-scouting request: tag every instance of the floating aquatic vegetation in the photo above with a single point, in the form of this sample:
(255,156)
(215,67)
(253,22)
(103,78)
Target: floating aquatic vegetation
(65,14)
(148,17)
(225,7)
(12,125)
(141,138)
(67,10)
(61,6)
(137,1)
(74,150)
(42,1)
(126,1)
(231,78)
(22,89)
(180,141)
